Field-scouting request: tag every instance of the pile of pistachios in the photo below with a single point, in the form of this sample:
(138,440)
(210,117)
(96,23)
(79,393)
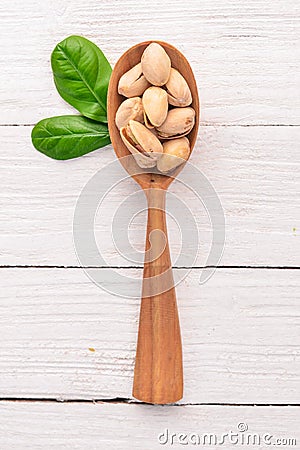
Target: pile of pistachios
(156,116)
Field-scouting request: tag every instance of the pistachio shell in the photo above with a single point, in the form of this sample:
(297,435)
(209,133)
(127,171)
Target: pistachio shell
(155,104)
(142,143)
(141,159)
(130,109)
(178,123)
(133,83)
(179,93)
(175,153)
(156,64)
(148,123)
(146,140)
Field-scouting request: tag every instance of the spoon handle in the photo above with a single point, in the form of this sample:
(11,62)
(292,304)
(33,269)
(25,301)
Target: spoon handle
(158,374)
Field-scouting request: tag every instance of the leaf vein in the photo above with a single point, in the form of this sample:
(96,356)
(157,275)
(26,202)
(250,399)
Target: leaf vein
(84,80)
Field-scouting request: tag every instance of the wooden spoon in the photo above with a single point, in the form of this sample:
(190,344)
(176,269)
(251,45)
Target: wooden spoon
(158,375)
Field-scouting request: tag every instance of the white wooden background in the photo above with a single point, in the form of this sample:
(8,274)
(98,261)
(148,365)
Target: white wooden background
(241,330)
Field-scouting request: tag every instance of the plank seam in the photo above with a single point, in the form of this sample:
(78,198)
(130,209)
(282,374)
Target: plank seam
(203,124)
(140,267)
(129,401)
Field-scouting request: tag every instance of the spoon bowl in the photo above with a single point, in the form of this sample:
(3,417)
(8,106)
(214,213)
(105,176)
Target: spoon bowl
(158,373)
(129,59)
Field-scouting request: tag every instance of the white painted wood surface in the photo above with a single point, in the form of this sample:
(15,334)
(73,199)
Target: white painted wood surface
(240,329)
(254,170)
(129,426)
(245,56)
(240,334)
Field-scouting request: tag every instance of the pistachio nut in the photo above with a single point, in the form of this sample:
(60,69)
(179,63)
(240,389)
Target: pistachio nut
(178,123)
(155,104)
(144,145)
(133,83)
(175,153)
(179,93)
(156,64)
(130,109)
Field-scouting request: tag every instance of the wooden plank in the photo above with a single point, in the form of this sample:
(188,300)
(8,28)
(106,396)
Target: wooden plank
(254,171)
(240,335)
(245,57)
(130,426)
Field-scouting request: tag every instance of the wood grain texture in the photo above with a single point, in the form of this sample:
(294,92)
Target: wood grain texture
(241,329)
(158,374)
(254,170)
(240,333)
(132,427)
(245,57)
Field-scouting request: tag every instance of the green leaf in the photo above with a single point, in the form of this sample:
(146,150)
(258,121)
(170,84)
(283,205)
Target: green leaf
(66,137)
(81,75)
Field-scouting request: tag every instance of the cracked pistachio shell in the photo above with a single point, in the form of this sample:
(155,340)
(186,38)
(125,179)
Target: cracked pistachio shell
(179,93)
(155,104)
(130,109)
(133,83)
(156,64)
(178,123)
(175,153)
(142,143)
